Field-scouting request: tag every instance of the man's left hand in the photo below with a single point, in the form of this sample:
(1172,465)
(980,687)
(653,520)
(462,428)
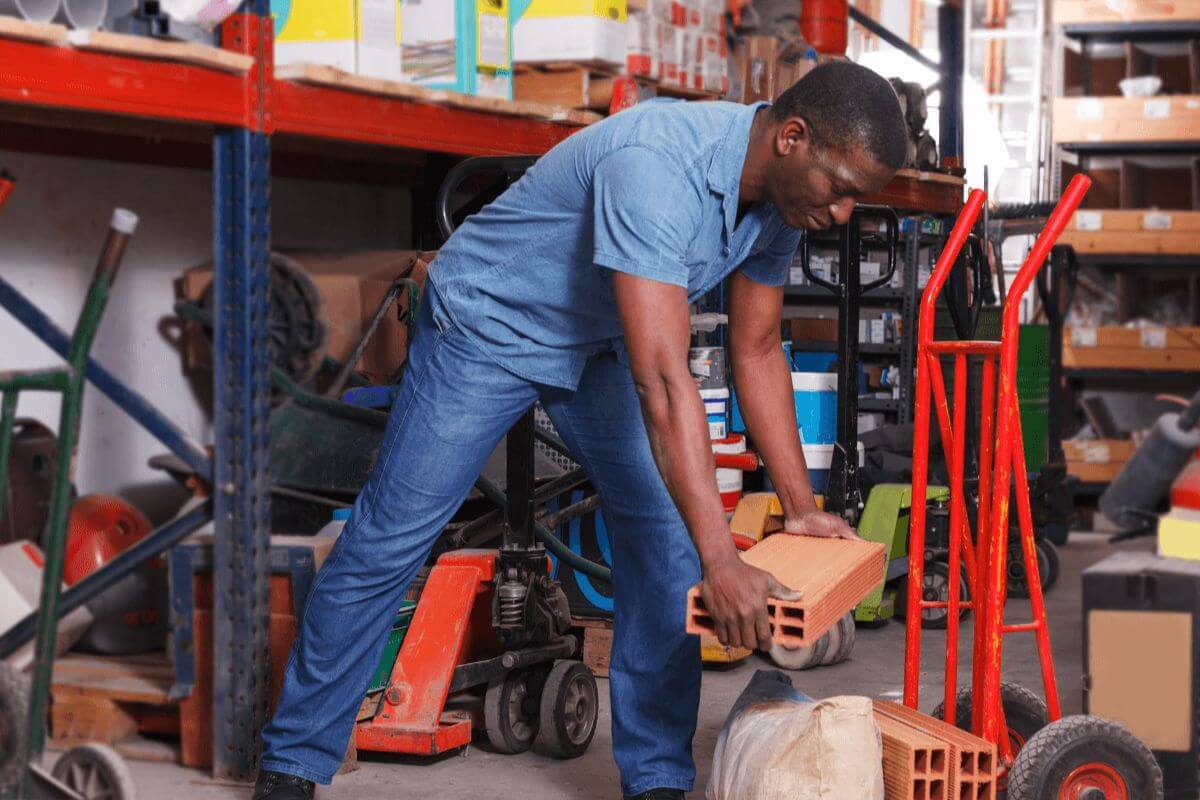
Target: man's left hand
(820,523)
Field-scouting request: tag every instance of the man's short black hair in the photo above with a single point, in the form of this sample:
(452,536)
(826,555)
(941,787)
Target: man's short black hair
(847,106)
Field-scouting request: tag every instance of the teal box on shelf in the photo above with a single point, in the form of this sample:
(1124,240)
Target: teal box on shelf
(461,45)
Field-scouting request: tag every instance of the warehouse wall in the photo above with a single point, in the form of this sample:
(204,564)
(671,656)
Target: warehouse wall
(50,232)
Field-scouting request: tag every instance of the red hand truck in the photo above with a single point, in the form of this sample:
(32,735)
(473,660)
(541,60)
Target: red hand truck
(1059,766)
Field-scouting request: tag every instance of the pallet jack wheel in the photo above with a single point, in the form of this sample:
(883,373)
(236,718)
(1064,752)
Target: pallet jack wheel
(570,706)
(1047,568)
(1085,758)
(798,658)
(936,588)
(95,772)
(1047,549)
(14,716)
(510,713)
(1024,713)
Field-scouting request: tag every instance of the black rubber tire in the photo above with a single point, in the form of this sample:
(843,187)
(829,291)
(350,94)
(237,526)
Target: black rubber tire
(1047,548)
(1024,712)
(570,707)
(937,579)
(800,658)
(1055,752)
(1016,569)
(14,720)
(510,714)
(95,772)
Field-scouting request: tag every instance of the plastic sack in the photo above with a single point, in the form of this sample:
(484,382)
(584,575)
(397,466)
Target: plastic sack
(207,13)
(779,744)
(1141,86)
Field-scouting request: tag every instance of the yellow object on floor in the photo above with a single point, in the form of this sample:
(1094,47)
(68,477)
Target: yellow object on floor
(1179,535)
(713,652)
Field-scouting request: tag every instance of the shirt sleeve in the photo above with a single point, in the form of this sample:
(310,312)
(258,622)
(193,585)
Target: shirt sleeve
(646,215)
(770,265)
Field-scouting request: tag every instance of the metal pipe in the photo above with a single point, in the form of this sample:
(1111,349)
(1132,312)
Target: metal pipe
(157,542)
(32,10)
(895,41)
(132,403)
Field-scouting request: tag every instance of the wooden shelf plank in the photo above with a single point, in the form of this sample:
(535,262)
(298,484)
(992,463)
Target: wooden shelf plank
(1092,120)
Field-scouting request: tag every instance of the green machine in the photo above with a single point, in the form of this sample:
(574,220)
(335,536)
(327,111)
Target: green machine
(885,520)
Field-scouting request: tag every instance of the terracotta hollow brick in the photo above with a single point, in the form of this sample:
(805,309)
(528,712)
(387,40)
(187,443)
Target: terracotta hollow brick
(914,763)
(972,761)
(832,576)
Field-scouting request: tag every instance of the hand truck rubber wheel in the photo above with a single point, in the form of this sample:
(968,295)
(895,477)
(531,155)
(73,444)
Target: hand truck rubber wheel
(14,719)
(798,658)
(95,772)
(1024,713)
(841,640)
(510,713)
(1085,758)
(570,706)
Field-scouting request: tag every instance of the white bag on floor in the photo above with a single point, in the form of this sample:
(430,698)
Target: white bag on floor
(778,744)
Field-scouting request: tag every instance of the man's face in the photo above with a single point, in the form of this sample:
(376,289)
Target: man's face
(816,187)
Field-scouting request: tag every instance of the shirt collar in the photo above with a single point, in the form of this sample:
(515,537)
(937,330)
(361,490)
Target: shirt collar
(725,170)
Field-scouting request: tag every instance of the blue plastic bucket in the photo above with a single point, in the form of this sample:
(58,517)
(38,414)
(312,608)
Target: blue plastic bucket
(815,396)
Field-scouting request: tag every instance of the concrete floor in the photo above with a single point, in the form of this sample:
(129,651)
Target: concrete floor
(875,669)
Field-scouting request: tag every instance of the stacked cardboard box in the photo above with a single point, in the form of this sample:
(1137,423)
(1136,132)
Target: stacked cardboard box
(681,44)
(360,36)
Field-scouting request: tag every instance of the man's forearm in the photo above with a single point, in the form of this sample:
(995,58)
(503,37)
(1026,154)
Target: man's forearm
(678,433)
(766,402)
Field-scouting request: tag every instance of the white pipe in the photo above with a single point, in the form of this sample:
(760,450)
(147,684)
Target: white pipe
(32,10)
(116,10)
(87,15)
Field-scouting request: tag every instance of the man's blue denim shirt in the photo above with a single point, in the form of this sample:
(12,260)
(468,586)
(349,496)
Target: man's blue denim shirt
(651,191)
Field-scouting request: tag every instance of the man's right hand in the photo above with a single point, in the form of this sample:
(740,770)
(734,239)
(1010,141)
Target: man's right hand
(735,594)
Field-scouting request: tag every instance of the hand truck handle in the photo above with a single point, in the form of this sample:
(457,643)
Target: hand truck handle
(949,255)
(122,226)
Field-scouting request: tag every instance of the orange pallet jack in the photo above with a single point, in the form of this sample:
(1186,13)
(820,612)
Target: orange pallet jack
(1043,755)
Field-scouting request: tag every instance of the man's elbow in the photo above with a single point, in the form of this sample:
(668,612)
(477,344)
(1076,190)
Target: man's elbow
(660,391)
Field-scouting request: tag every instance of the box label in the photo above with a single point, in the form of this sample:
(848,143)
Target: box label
(1088,220)
(1156,108)
(1156,221)
(1083,337)
(1096,453)
(1154,338)
(1089,108)
(492,45)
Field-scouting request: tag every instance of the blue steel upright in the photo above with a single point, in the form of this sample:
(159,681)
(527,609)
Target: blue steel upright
(241,486)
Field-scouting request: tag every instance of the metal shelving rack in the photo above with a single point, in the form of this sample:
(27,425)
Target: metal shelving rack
(62,88)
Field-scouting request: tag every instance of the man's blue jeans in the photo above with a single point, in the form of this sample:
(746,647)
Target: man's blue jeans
(454,406)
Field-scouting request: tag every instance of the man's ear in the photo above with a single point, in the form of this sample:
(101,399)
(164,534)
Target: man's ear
(793,135)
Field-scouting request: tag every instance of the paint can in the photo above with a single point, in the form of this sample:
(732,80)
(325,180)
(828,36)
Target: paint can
(729,481)
(707,365)
(716,409)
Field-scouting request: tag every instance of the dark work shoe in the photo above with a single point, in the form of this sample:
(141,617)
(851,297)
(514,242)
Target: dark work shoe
(280,786)
(658,794)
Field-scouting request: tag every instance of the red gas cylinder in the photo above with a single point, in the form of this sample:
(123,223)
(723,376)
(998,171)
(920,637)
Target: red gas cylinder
(99,528)
(1185,491)
(824,25)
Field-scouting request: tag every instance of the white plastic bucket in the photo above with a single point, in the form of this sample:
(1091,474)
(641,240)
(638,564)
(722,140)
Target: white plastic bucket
(32,10)
(819,458)
(815,396)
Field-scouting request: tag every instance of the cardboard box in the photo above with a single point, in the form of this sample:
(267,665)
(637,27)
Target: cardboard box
(1134,231)
(1126,119)
(590,31)
(756,58)
(1097,460)
(460,45)
(377,52)
(1131,348)
(813,330)
(352,284)
(1069,11)
(315,32)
